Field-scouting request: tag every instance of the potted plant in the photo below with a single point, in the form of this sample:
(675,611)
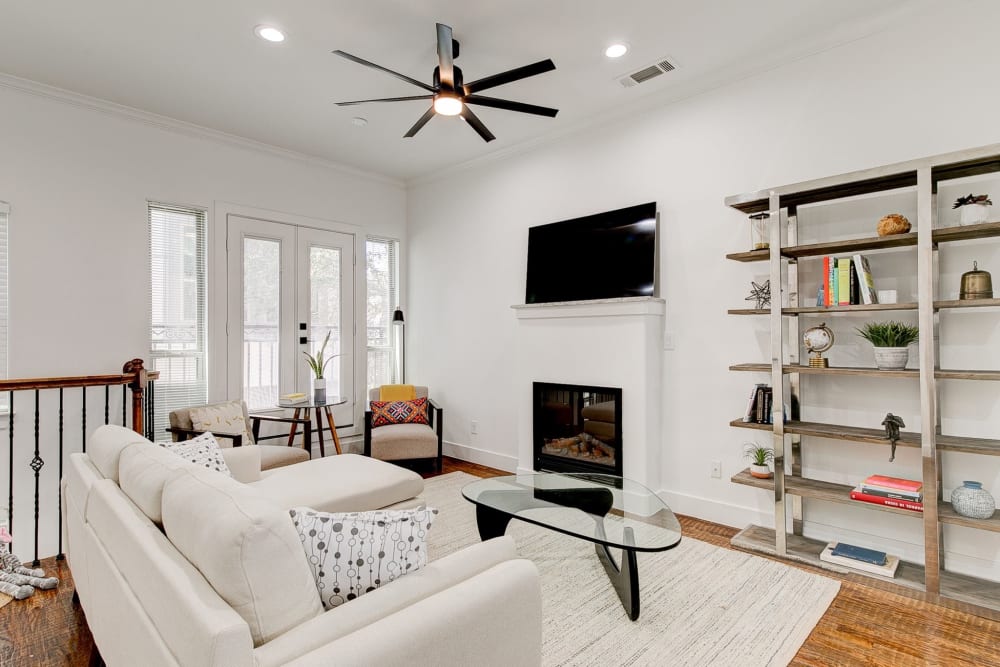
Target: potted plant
(759,458)
(317,363)
(975,209)
(890,340)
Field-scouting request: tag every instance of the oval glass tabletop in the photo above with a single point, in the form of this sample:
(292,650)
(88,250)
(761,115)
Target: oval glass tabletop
(605,509)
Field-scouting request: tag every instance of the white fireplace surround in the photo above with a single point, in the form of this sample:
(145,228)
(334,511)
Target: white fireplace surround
(607,343)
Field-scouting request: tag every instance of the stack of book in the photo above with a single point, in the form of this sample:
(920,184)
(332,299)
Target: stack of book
(848,282)
(859,558)
(759,406)
(905,494)
(293,399)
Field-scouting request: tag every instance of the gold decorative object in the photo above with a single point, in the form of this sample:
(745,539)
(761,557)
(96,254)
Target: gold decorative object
(894,223)
(976,284)
(818,340)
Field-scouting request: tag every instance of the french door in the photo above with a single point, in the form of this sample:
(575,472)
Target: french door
(288,287)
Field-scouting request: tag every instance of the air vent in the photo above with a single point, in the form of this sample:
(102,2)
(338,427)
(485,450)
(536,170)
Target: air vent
(646,73)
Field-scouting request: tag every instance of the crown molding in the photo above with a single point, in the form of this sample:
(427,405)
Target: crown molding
(169,124)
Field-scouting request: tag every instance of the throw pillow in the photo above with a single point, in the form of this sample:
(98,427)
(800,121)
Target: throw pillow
(399,412)
(203,451)
(222,418)
(353,553)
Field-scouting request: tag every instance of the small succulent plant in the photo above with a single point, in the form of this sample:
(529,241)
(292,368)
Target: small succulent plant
(972,199)
(758,455)
(889,334)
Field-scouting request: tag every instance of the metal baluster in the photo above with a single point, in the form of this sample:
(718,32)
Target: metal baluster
(83,419)
(149,397)
(60,555)
(124,404)
(107,404)
(10,500)
(36,465)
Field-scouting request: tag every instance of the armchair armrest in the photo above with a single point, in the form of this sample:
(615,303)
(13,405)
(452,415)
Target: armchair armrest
(255,421)
(188,433)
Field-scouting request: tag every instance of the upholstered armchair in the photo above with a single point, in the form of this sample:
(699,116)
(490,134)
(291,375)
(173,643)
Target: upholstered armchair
(231,421)
(405,441)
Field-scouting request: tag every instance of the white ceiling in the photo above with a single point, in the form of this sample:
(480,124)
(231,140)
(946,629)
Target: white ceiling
(199,61)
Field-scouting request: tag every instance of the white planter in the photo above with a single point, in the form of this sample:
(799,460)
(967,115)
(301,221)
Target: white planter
(761,472)
(319,391)
(891,358)
(974,214)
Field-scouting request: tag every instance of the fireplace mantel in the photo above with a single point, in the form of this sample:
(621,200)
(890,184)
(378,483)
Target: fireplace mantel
(632,305)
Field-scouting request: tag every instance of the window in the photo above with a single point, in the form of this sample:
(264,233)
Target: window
(4,215)
(177,298)
(383,298)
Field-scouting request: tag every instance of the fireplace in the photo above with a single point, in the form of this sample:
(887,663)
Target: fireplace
(577,428)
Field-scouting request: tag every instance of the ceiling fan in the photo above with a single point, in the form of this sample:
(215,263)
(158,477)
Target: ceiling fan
(451,95)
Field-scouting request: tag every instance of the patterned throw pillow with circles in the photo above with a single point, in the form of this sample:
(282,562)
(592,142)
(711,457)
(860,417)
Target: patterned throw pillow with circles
(203,451)
(353,553)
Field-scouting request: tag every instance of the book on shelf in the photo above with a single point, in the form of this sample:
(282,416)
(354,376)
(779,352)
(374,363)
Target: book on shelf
(886,570)
(853,552)
(866,283)
(886,482)
(892,493)
(854,285)
(859,495)
(827,293)
(843,282)
(752,403)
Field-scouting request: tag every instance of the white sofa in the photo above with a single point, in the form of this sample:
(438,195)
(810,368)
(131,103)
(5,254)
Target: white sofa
(177,565)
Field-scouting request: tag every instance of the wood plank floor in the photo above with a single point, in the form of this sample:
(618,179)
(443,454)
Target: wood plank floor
(864,626)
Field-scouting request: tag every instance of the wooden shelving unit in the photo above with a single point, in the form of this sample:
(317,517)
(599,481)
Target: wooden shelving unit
(789,487)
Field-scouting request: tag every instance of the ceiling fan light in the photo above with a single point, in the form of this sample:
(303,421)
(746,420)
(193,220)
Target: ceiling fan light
(269,33)
(447,105)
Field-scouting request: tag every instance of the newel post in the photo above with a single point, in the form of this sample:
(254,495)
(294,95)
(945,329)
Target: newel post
(138,386)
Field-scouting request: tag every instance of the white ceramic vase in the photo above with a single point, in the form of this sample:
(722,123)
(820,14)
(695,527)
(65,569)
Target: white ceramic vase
(319,391)
(974,214)
(891,358)
(761,472)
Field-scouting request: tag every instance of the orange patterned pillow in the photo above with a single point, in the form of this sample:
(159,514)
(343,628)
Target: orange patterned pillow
(399,412)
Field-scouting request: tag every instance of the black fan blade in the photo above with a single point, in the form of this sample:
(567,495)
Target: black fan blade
(446,66)
(510,106)
(362,61)
(420,123)
(384,99)
(477,125)
(509,76)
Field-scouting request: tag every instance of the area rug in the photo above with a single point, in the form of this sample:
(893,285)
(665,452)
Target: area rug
(700,604)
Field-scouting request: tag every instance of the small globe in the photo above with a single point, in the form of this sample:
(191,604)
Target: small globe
(818,339)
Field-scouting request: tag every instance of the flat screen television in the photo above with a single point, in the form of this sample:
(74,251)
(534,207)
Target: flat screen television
(602,256)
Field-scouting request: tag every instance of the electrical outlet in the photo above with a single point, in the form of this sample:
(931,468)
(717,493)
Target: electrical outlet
(668,341)
(717,469)
(474,427)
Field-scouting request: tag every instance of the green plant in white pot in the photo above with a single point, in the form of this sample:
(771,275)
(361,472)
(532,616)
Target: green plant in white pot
(317,363)
(891,341)
(759,458)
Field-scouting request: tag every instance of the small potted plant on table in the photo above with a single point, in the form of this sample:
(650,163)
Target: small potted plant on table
(891,342)
(317,363)
(759,458)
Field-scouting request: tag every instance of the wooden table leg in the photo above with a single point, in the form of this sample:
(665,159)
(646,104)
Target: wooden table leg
(291,434)
(333,428)
(319,430)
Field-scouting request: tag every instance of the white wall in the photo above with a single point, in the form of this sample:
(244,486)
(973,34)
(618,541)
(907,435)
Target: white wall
(889,97)
(78,180)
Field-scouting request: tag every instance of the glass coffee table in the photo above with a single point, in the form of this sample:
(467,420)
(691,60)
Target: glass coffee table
(610,511)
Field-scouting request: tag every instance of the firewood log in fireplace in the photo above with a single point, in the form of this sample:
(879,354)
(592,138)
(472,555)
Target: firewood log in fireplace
(562,443)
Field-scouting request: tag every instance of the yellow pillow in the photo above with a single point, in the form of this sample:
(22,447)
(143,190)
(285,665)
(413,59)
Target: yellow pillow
(397,392)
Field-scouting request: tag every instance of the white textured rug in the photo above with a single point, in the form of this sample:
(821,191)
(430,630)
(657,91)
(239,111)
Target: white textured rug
(700,604)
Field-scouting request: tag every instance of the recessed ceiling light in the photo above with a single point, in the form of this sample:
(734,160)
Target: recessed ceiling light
(616,50)
(358,121)
(269,33)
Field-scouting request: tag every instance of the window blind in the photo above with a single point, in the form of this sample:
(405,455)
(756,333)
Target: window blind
(177,337)
(383,297)
(4,270)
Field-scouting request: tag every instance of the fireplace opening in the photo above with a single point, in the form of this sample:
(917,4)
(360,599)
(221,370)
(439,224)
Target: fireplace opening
(577,428)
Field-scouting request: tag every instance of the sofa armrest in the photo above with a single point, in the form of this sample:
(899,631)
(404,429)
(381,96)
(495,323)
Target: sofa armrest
(491,620)
(243,462)
(472,564)
(188,433)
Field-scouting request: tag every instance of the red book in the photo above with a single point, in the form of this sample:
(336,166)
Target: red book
(826,283)
(888,502)
(913,486)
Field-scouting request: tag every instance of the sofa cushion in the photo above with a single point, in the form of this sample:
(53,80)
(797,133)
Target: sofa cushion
(353,553)
(223,418)
(244,463)
(143,471)
(404,441)
(399,412)
(277,456)
(344,483)
(106,445)
(245,546)
(203,451)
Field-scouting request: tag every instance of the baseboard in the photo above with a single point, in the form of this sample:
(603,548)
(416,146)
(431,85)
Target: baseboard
(727,514)
(481,456)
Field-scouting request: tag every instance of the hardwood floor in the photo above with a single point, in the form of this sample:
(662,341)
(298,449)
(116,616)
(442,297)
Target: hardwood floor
(864,625)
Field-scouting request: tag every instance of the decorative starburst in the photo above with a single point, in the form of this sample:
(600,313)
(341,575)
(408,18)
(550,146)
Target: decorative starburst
(761,294)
